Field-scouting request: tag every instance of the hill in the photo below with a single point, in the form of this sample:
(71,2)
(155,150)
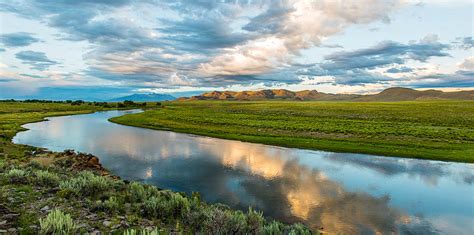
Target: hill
(390,94)
(144,97)
(407,94)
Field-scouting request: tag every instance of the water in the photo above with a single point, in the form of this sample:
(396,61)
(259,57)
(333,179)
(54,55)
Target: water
(348,193)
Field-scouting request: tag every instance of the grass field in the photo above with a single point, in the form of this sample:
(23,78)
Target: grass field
(440,130)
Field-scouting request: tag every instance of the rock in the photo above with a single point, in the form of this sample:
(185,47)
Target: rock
(83,225)
(11,230)
(3,231)
(107,223)
(93,161)
(3,222)
(45,208)
(91,216)
(53,190)
(10,216)
(95,232)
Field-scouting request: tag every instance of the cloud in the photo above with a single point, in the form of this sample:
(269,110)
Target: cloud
(467,64)
(386,53)
(171,44)
(20,39)
(38,60)
(399,70)
(464,43)
(287,27)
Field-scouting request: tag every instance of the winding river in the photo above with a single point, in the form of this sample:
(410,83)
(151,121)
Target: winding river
(343,192)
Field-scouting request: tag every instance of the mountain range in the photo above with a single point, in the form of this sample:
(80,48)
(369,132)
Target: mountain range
(144,97)
(390,94)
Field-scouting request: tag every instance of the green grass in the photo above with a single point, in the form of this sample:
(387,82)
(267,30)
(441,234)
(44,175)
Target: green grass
(439,130)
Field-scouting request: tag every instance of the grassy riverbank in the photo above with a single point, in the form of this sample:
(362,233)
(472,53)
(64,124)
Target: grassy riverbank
(439,130)
(64,193)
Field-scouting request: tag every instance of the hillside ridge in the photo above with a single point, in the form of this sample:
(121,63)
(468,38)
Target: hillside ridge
(389,94)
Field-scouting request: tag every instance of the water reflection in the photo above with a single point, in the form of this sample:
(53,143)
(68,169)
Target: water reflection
(348,193)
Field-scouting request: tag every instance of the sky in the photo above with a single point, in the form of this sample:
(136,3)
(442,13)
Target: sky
(101,49)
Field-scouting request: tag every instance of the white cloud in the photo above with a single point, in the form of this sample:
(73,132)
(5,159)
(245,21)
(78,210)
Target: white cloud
(301,24)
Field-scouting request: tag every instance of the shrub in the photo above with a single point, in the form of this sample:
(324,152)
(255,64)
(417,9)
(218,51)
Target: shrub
(46,178)
(237,223)
(215,220)
(273,228)
(140,193)
(111,204)
(137,192)
(154,231)
(176,206)
(298,229)
(56,222)
(16,176)
(151,207)
(166,206)
(255,221)
(87,184)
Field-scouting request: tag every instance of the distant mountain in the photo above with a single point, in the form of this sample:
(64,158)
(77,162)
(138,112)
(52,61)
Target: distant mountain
(144,97)
(390,94)
(407,94)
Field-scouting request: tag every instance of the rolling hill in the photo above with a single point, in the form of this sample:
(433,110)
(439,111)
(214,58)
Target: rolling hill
(144,97)
(390,94)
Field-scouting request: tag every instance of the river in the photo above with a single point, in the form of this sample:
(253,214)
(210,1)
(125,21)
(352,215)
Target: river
(338,192)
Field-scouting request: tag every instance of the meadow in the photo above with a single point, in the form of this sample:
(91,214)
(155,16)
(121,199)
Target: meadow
(439,130)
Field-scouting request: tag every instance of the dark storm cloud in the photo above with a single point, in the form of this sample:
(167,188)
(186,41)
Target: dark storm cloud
(37,60)
(19,39)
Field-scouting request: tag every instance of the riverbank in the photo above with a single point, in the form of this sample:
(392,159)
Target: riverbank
(41,190)
(436,130)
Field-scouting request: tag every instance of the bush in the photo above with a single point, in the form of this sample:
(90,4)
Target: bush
(237,223)
(87,184)
(298,229)
(154,231)
(166,206)
(56,222)
(151,207)
(16,176)
(112,204)
(137,192)
(273,228)
(255,221)
(46,178)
